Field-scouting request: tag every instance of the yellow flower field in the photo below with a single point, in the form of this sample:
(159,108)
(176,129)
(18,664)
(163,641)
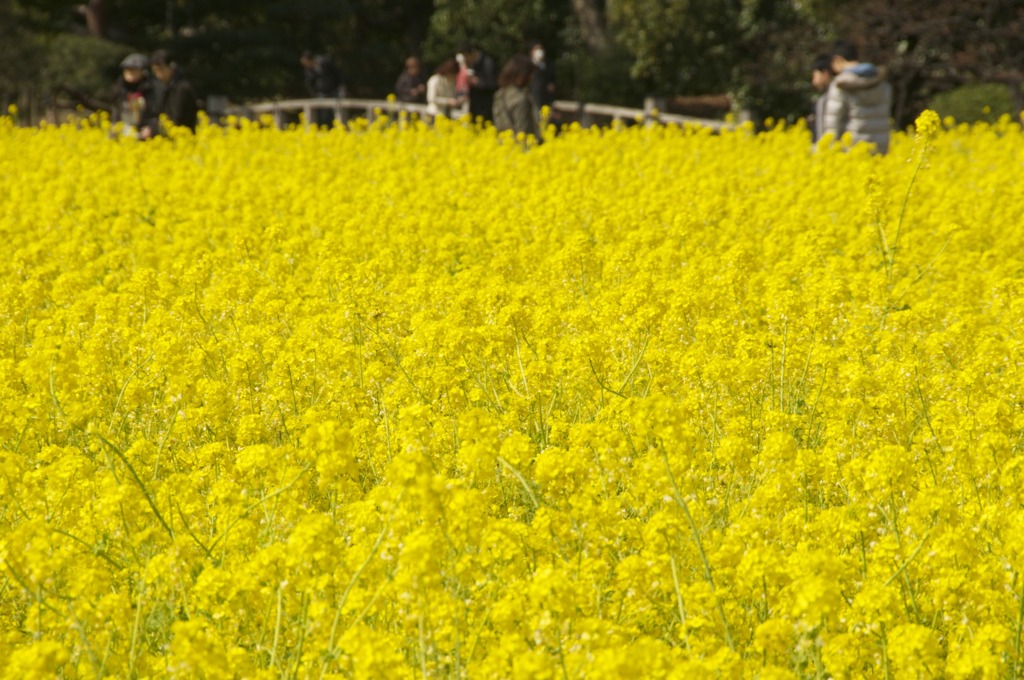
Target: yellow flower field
(639,402)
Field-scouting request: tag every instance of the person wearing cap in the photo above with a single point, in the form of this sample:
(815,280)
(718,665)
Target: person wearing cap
(173,96)
(133,94)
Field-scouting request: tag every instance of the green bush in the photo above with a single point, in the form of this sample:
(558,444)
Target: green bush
(83,63)
(603,78)
(973,103)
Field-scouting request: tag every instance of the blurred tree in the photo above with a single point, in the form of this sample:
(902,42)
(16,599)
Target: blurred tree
(15,51)
(238,48)
(678,46)
(931,46)
(80,70)
(593,29)
(603,50)
(501,27)
(754,50)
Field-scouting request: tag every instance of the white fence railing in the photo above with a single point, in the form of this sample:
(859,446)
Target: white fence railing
(344,108)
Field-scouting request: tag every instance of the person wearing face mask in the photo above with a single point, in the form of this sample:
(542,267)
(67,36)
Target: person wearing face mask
(542,87)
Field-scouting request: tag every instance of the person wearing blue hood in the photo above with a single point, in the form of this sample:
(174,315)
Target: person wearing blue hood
(859,99)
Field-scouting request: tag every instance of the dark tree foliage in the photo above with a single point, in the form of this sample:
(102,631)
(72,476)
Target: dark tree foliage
(238,48)
(931,46)
(756,51)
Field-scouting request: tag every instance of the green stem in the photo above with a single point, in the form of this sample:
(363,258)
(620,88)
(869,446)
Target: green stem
(140,483)
(331,651)
(681,502)
(277,624)
(679,597)
(133,650)
(522,481)
(1017,641)
(903,210)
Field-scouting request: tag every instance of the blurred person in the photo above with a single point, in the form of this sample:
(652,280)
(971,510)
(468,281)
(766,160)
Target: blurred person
(542,87)
(482,77)
(821,78)
(323,81)
(858,100)
(514,108)
(441,89)
(462,78)
(133,94)
(173,96)
(411,87)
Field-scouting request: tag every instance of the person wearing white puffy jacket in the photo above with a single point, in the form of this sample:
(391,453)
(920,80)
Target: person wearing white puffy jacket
(859,99)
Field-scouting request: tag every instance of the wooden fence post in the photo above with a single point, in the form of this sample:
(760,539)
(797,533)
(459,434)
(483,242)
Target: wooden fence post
(586,119)
(653,108)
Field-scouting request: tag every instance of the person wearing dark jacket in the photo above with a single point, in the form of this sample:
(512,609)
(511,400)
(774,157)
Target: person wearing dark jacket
(411,87)
(483,81)
(821,78)
(323,82)
(173,96)
(514,108)
(542,86)
(133,95)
